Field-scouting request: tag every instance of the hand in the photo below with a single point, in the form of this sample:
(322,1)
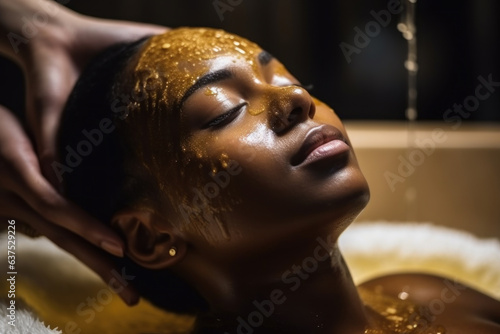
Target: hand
(52,63)
(52,60)
(29,198)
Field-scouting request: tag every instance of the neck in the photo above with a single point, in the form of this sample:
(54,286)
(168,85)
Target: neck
(312,294)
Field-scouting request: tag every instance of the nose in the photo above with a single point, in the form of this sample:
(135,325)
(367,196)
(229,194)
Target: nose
(291,105)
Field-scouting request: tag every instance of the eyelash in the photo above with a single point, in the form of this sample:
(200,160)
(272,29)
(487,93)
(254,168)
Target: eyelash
(230,114)
(225,117)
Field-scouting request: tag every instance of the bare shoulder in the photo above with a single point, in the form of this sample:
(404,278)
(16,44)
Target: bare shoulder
(460,308)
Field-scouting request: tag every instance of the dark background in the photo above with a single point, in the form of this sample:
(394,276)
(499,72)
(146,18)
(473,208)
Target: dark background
(458,41)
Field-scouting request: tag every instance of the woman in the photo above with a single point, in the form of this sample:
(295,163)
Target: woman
(230,185)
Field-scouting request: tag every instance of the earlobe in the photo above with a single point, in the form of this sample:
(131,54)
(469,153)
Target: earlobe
(150,242)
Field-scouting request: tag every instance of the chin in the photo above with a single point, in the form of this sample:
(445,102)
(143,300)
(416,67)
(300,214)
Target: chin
(349,196)
(358,200)
(358,193)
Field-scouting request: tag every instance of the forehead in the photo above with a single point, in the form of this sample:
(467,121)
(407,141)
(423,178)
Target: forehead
(181,56)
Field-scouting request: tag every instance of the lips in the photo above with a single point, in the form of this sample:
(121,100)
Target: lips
(319,143)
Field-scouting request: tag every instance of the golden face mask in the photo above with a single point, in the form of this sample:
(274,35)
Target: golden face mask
(177,59)
(152,86)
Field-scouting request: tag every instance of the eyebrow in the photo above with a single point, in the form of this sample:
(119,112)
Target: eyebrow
(205,80)
(264,58)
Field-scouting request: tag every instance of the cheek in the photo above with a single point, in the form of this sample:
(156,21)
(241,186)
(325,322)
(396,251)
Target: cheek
(244,143)
(213,160)
(210,171)
(239,161)
(257,139)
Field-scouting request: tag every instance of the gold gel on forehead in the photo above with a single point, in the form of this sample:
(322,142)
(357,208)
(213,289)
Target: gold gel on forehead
(180,56)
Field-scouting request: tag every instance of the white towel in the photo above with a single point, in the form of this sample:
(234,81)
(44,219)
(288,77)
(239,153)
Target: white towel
(25,321)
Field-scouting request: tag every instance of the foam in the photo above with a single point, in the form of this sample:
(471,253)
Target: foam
(377,248)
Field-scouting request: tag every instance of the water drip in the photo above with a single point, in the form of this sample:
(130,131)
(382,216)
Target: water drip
(408,29)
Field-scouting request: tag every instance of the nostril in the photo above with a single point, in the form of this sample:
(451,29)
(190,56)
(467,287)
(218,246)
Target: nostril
(294,114)
(312,111)
(278,124)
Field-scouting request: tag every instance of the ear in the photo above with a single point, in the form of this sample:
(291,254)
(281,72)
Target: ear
(150,242)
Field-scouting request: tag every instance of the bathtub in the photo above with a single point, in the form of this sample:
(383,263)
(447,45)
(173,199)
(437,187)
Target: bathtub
(452,179)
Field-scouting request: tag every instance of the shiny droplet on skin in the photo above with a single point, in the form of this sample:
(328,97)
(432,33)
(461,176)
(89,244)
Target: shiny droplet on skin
(224,160)
(396,315)
(403,295)
(390,310)
(211,91)
(440,330)
(240,51)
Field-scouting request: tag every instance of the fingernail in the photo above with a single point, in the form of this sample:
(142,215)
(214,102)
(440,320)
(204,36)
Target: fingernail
(112,247)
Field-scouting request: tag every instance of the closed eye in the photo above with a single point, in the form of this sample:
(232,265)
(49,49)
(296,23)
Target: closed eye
(225,118)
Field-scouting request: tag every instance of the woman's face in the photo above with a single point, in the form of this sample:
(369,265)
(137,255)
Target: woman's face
(262,159)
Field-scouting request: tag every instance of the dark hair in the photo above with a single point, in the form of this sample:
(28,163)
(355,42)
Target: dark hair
(92,166)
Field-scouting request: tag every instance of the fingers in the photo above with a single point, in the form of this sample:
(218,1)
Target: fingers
(50,83)
(20,173)
(40,195)
(93,35)
(13,206)
(134,30)
(112,32)
(56,209)
(49,213)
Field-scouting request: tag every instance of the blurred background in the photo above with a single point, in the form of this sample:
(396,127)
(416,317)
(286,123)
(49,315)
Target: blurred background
(458,41)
